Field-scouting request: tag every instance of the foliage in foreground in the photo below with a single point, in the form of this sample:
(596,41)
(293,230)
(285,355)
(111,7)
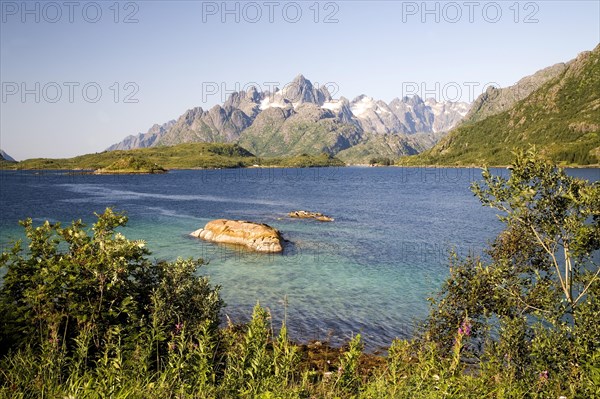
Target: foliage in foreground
(89,316)
(71,282)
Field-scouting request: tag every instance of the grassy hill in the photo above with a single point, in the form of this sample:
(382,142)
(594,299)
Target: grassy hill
(4,164)
(182,156)
(561,118)
(301,161)
(386,146)
(131,165)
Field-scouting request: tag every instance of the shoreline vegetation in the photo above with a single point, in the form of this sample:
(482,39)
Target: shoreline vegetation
(193,156)
(85,312)
(416,162)
(182,156)
(131,165)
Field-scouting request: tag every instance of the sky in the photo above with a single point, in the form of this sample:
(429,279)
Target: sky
(79,76)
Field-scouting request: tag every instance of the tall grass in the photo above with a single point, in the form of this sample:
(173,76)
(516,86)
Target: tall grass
(253,362)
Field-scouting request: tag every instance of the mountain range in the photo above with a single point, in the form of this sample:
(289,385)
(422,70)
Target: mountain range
(304,118)
(557,110)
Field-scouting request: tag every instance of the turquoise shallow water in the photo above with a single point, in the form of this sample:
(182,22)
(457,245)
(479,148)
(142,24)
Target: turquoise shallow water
(368,272)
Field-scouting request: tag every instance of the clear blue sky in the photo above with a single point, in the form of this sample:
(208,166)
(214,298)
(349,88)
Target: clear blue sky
(174,52)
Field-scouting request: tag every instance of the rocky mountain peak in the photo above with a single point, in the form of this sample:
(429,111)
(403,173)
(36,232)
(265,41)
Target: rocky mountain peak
(301,90)
(359,98)
(414,100)
(496,100)
(300,79)
(192,114)
(253,94)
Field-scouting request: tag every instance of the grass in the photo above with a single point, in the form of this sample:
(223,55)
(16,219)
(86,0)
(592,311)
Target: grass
(252,361)
(131,165)
(182,156)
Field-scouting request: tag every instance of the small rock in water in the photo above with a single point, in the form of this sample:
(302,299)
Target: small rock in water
(310,215)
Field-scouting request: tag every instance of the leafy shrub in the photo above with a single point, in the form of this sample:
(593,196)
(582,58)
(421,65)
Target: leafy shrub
(534,299)
(70,282)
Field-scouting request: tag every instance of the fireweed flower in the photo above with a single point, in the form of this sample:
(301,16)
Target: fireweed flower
(544,376)
(465,328)
(178,327)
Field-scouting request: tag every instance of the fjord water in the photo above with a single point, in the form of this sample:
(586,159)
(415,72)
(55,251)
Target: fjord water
(369,272)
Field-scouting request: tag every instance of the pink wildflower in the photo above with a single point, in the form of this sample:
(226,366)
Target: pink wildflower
(465,328)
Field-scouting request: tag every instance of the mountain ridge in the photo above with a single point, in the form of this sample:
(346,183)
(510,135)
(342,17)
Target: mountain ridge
(304,118)
(561,118)
(496,100)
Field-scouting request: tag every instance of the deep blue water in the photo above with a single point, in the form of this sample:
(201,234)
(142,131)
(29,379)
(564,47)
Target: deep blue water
(368,272)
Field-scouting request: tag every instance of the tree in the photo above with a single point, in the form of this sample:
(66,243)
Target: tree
(558,214)
(538,288)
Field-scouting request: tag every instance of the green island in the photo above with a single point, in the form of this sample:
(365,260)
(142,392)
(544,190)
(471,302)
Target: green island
(181,156)
(131,165)
(86,313)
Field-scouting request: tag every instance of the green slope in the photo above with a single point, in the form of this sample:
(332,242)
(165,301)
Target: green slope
(496,100)
(182,156)
(274,135)
(389,146)
(6,164)
(561,118)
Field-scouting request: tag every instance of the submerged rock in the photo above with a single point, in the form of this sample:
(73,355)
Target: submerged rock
(256,236)
(310,215)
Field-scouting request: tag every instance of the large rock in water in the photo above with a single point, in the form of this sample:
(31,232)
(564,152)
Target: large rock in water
(256,236)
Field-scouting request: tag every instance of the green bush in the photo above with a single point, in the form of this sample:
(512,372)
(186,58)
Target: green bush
(69,282)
